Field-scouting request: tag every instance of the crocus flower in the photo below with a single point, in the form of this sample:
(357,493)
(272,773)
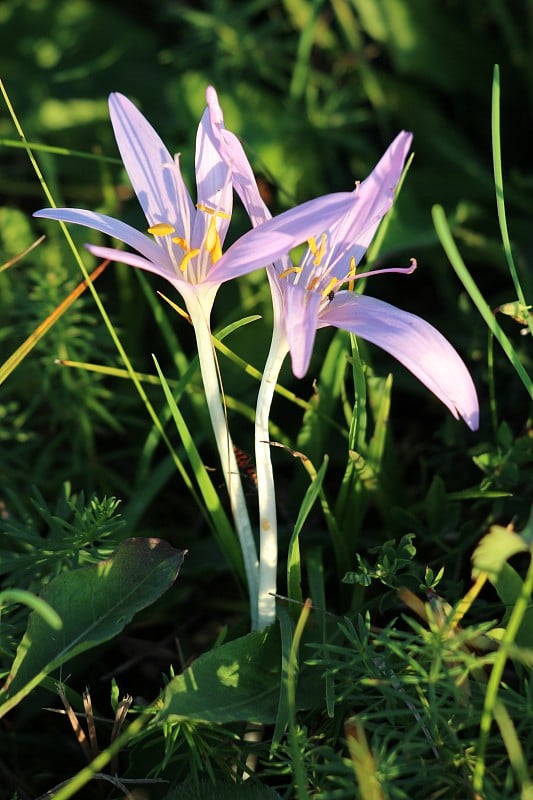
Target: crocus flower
(312,295)
(183,244)
(184,241)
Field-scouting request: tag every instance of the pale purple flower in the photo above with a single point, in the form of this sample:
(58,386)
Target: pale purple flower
(184,241)
(310,296)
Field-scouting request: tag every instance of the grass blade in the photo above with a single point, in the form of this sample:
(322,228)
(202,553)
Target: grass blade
(444,233)
(498,185)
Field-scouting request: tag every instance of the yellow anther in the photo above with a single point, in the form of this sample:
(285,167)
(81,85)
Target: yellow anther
(289,271)
(351,282)
(186,258)
(213,211)
(312,284)
(312,245)
(181,241)
(212,240)
(330,287)
(161,229)
(319,252)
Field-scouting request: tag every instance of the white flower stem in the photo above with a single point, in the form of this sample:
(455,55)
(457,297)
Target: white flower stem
(208,367)
(268,526)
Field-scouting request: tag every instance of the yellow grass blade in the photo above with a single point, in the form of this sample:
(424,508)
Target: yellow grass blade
(21,352)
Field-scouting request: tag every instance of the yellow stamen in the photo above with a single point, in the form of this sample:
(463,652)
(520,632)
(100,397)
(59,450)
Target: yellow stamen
(312,245)
(161,229)
(213,211)
(212,240)
(289,271)
(319,253)
(312,284)
(186,258)
(330,287)
(182,242)
(351,282)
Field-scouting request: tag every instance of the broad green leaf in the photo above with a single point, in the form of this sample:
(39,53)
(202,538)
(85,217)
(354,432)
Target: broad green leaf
(95,603)
(494,550)
(527,532)
(222,791)
(491,556)
(237,681)
(508,585)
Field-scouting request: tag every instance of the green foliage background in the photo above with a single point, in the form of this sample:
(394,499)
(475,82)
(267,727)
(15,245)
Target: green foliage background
(316,90)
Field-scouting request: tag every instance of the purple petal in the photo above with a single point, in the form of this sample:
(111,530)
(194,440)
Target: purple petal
(300,322)
(214,187)
(414,342)
(133,260)
(212,173)
(275,237)
(231,150)
(153,173)
(187,290)
(112,227)
(277,289)
(374,197)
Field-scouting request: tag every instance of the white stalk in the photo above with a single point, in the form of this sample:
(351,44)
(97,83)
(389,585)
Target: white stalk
(268,526)
(208,368)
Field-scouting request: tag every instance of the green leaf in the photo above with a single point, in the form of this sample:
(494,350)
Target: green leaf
(36,603)
(445,235)
(286,628)
(494,550)
(491,556)
(294,571)
(95,603)
(527,532)
(221,791)
(223,529)
(237,681)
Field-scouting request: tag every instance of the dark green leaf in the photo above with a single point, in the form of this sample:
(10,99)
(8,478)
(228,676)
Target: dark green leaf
(236,681)
(95,603)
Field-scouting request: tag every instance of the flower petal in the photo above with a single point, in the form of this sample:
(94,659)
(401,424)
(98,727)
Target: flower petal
(277,290)
(300,323)
(414,342)
(213,180)
(133,260)
(231,150)
(153,173)
(276,236)
(187,290)
(113,227)
(374,197)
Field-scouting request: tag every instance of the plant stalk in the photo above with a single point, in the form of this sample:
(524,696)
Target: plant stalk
(268,526)
(210,377)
